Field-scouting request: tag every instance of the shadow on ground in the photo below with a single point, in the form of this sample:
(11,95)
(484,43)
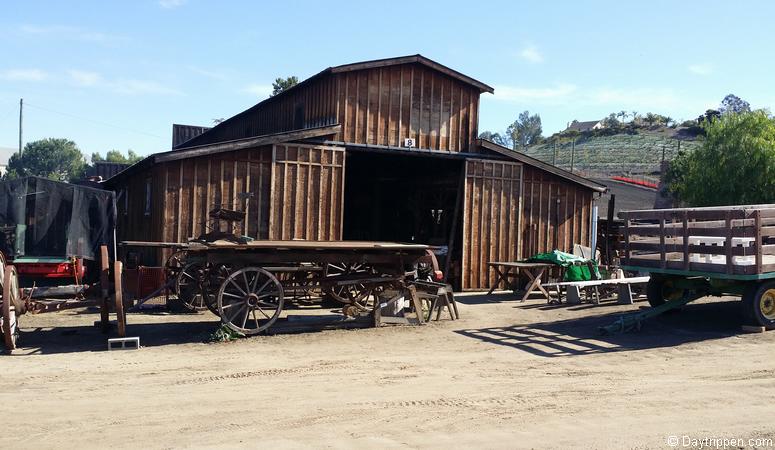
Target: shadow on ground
(696,322)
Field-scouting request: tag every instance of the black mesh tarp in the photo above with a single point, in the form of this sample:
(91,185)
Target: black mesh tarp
(40,217)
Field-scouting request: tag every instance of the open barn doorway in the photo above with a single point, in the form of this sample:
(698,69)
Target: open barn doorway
(405,198)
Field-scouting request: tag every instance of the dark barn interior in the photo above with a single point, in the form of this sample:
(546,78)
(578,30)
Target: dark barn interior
(403,198)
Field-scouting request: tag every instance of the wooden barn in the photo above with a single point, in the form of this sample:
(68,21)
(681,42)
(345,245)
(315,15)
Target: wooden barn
(377,150)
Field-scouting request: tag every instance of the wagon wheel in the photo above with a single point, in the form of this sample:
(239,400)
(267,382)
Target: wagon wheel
(211,282)
(10,299)
(355,293)
(250,300)
(174,265)
(188,287)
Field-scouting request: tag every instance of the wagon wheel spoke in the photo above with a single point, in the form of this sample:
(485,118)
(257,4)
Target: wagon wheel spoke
(261,311)
(237,286)
(250,300)
(256,318)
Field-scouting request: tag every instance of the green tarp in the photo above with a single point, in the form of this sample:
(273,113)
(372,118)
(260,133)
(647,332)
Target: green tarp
(576,267)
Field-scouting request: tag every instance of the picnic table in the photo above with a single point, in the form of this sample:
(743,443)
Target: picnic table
(533,270)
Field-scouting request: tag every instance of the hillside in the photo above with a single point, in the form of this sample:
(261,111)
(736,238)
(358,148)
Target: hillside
(635,154)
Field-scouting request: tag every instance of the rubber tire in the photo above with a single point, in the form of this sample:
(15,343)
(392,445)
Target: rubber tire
(752,314)
(654,291)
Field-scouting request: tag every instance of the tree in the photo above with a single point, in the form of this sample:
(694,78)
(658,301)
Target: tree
(56,159)
(708,116)
(115,156)
(734,104)
(611,121)
(497,138)
(526,130)
(281,84)
(734,166)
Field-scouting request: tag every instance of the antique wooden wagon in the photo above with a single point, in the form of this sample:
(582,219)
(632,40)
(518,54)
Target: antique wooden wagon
(249,283)
(383,150)
(695,252)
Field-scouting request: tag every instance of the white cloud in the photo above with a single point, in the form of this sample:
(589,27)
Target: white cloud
(523,94)
(23,75)
(170,4)
(640,98)
(259,90)
(700,69)
(68,32)
(564,93)
(84,78)
(124,86)
(214,74)
(531,54)
(138,87)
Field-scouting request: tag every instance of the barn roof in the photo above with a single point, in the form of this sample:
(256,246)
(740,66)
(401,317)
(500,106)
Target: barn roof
(221,147)
(523,158)
(364,65)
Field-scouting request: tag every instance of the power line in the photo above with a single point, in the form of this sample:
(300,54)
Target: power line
(95,121)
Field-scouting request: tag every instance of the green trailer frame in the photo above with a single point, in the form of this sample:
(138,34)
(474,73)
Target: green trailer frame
(691,253)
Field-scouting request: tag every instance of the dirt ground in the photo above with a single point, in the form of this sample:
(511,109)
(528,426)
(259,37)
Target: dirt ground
(507,375)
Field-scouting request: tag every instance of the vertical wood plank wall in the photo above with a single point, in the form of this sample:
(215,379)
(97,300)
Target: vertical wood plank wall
(555,214)
(308,191)
(383,106)
(490,218)
(379,106)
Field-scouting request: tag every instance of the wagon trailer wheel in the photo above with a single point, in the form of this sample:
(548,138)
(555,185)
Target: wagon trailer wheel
(250,300)
(10,300)
(188,289)
(759,304)
(355,293)
(174,265)
(212,279)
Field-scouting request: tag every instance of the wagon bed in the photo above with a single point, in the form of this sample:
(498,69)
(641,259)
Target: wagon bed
(733,242)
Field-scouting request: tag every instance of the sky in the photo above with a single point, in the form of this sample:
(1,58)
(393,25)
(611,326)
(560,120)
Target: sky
(117,75)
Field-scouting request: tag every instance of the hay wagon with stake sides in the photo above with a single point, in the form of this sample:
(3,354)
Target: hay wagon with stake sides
(695,252)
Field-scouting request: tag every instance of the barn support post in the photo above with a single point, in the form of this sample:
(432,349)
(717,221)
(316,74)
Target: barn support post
(609,220)
(455,218)
(593,233)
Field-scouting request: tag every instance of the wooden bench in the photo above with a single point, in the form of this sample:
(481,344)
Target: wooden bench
(573,289)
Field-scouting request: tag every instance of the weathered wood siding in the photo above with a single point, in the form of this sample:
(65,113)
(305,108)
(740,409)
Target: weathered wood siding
(378,106)
(193,187)
(383,106)
(555,214)
(307,189)
(491,219)
(296,192)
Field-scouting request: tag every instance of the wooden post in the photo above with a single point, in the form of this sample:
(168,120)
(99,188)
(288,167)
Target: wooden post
(758,253)
(728,240)
(417,304)
(104,288)
(120,317)
(453,232)
(609,220)
(662,252)
(686,239)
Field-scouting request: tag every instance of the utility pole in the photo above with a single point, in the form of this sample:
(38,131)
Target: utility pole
(554,155)
(21,116)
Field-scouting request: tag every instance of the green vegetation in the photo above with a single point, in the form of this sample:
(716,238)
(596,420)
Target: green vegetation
(734,166)
(55,159)
(524,131)
(282,84)
(115,156)
(597,153)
